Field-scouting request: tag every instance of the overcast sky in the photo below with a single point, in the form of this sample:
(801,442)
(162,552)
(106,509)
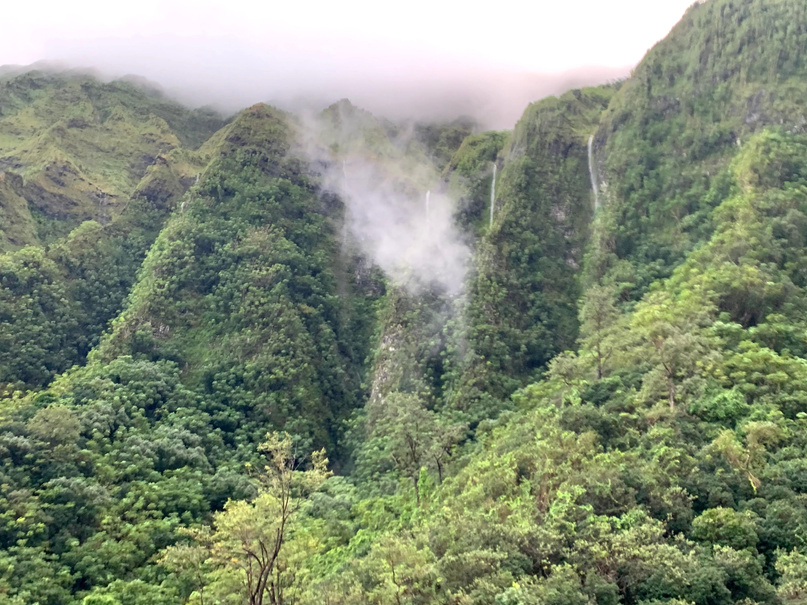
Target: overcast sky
(394,55)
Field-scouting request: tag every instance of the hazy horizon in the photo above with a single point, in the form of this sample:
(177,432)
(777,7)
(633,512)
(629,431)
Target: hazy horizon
(422,61)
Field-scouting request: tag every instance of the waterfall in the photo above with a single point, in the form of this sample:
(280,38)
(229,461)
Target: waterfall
(344,196)
(428,213)
(591,172)
(492,194)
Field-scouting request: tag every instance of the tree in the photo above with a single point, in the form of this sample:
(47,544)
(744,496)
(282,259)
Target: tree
(598,314)
(562,587)
(191,561)
(249,537)
(403,571)
(670,329)
(416,437)
(55,425)
(749,458)
(726,526)
(792,568)
(409,428)
(446,435)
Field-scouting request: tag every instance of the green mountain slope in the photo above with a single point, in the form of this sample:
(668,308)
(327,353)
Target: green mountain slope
(677,474)
(76,150)
(662,461)
(523,293)
(234,326)
(240,290)
(727,70)
(469,176)
(82,147)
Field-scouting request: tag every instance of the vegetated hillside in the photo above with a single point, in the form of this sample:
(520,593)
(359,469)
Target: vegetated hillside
(469,174)
(233,327)
(443,139)
(83,146)
(524,288)
(89,171)
(663,461)
(727,70)
(457,359)
(660,459)
(240,290)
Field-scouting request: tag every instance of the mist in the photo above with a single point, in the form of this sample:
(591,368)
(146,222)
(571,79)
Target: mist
(411,237)
(403,222)
(420,59)
(397,88)
(415,62)
(396,212)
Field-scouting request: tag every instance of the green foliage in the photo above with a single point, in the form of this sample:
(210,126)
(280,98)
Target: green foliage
(56,302)
(470,174)
(444,139)
(660,463)
(563,587)
(793,583)
(98,183)
(234,325)
(727,527)
(82,148)
(524,287)
(240,290)
(412,437)
(254,542)
(728,70)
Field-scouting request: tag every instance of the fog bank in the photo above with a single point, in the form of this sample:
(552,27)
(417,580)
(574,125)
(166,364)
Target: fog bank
(407,90)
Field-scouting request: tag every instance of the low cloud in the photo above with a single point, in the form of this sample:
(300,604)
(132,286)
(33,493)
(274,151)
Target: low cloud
(396,212)
(411,236)
(229,74)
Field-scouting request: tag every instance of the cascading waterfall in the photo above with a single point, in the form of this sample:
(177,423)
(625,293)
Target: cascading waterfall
(493,194)
(591,172)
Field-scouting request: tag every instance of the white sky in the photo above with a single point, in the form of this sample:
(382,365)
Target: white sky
(180,43)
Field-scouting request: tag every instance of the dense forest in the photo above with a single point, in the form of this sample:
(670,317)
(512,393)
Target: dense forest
(571,369)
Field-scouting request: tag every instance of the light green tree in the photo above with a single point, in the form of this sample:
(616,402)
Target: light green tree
(598,316)
(416,437)
(792,568)
(749,457)
(671,338)
(251,540)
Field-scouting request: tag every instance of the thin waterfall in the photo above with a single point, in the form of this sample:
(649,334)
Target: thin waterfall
(492,194)
(428,211)
(591,172)
(344,197)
